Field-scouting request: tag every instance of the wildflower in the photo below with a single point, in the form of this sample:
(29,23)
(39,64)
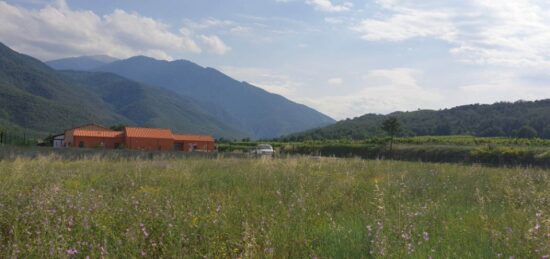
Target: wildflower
(144,230)
(545,257)
(72,251)
(426,236)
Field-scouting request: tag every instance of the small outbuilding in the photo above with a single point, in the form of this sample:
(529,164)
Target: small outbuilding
(58,141)
(183,142)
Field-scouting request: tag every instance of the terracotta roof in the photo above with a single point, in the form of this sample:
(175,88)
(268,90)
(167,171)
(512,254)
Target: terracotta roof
(148,133)
(186,137)
(91,126)
(97,133)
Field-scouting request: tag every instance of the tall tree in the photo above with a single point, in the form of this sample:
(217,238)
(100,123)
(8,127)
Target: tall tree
(392,127)
(527,132)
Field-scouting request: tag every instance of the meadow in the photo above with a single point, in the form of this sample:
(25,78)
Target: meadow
(271,208)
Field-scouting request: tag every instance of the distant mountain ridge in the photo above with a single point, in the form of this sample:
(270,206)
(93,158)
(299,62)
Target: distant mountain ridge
(151,106)
(36,97)
(489,120)
(245,107)
(82,63)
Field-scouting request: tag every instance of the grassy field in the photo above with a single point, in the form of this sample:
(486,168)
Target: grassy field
(250,208)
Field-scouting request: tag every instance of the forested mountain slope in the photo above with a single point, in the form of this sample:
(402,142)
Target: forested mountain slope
(243,106)
(522,118)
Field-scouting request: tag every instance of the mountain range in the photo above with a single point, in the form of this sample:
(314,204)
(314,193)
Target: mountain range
(189,98)
(35,97)
(503,119)
(100,89)
(256,112)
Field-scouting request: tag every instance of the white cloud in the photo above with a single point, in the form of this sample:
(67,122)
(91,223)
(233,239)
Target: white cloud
(332,20)
(408,23)
(266,79)
(240,30)
(500,87)
(335,81)
(328,6)
(58,31)
(384,91)
(215,44)
(512,33)
(208,23)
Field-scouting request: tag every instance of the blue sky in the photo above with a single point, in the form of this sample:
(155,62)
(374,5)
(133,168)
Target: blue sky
(344,58)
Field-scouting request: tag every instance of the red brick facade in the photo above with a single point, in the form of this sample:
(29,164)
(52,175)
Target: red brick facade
(94,136)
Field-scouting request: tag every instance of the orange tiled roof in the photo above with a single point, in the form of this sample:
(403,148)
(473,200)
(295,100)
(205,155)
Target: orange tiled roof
(97,133)
(92,126)
(186,137)
(148,133)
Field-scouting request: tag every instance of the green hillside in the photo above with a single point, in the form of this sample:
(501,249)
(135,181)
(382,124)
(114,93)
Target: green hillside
(150,106)
(34,96)
(41,100)
(518,119)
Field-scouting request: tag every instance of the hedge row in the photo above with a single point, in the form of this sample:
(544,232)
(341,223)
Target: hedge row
(491,155)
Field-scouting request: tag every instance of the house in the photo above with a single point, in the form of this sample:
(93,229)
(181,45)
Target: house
(149,139)
(58,140)
(136,138)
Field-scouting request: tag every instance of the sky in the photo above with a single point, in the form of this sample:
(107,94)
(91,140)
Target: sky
(344,58)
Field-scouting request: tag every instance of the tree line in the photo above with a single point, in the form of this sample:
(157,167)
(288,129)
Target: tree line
(518,120)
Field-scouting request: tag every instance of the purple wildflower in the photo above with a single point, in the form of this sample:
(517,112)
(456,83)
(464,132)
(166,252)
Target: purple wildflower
(426,236)
(72,251)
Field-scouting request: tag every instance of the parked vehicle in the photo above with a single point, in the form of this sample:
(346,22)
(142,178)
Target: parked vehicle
(264,150)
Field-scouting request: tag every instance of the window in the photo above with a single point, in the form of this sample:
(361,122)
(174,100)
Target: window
(81,144)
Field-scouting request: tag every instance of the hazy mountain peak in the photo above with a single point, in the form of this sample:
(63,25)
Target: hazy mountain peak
(245,107)
(82,63)
(102,58)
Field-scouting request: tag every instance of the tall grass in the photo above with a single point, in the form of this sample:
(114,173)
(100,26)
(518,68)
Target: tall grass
(294,208)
